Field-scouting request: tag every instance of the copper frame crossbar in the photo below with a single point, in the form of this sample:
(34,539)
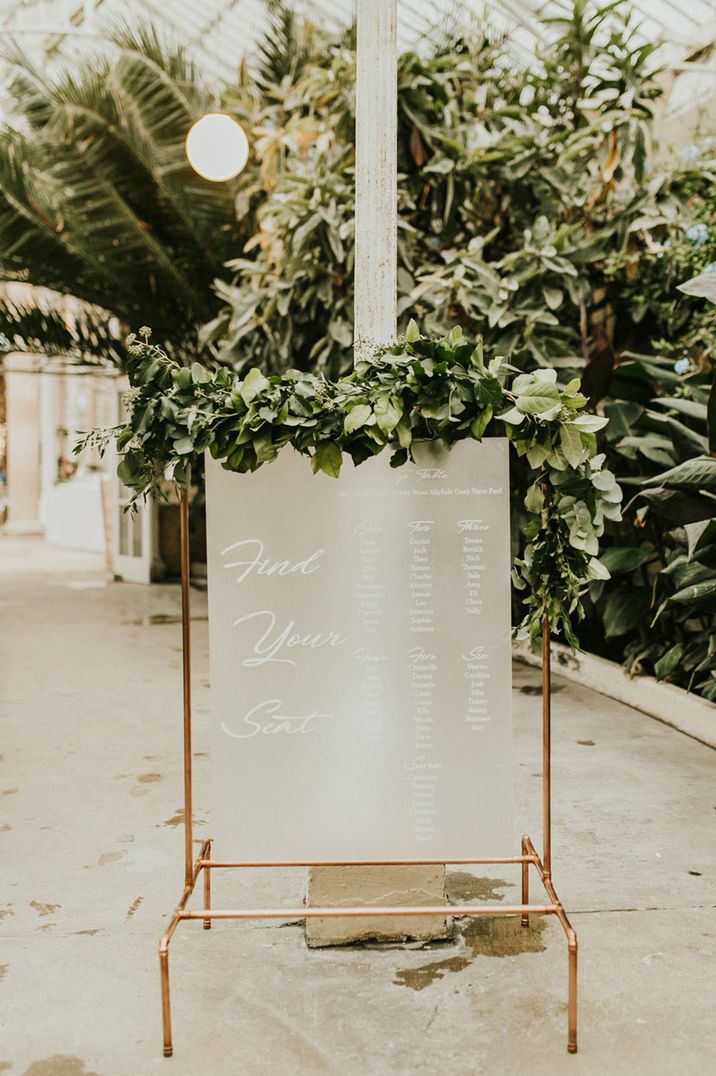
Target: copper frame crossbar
(205,864)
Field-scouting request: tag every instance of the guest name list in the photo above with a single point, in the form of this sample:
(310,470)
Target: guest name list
(360,657)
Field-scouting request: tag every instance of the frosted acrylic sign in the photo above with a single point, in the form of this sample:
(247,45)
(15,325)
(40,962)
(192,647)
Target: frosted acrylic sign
(360,657)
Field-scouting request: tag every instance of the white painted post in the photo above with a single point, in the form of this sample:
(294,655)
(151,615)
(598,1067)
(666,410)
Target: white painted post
(376,140)
(376,269)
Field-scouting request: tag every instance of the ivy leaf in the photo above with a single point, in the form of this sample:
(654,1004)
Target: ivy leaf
(358,416)
(387,414)
(570,440)
(537,399)
(536,455)
(264,448)
(199,374)
(182,472)
(126,472)
(252,385)
(480,424)
(513,417)
(534,500)
(590,423)
(183,446)
(488,390)
(477,356)
(404,432)
(597,569)
(327,458)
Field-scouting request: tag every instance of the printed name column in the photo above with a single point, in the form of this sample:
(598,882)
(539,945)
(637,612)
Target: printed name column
(474,533)
(422,668)
(421,576)
(370,610)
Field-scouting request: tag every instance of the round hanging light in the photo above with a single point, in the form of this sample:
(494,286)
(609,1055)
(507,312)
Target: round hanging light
(217,147)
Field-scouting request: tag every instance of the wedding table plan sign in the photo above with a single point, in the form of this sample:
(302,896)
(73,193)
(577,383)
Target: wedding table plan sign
(360,647)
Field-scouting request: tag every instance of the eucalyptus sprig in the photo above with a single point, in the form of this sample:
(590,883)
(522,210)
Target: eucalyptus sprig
(418,389)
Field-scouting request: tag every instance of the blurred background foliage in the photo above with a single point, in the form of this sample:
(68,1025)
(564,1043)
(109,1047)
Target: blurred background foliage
(536,209)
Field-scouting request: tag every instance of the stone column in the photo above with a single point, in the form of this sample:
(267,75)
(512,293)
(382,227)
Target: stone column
(376,262)
(22,396)
(51,393)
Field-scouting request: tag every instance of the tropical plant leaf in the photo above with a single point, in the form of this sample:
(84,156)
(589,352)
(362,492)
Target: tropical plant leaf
(618,559)
(703,593)
(625,609)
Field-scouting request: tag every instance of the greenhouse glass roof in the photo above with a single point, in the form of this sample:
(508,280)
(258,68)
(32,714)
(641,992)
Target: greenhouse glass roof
(221,32)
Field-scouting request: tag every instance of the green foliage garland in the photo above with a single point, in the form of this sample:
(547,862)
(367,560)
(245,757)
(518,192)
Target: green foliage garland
(418,389)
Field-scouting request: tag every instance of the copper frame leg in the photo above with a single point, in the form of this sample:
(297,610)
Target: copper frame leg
(177,916)
(207,887)
(572,996)
(166,1005)
(571,937)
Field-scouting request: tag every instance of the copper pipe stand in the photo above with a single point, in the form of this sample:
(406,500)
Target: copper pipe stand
(204,862)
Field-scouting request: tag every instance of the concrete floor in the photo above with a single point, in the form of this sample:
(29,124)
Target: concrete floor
(91,852)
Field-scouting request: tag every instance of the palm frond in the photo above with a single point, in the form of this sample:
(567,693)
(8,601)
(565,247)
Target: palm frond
(32,229)
(39,320)
(285,48)
(98,199)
